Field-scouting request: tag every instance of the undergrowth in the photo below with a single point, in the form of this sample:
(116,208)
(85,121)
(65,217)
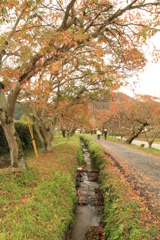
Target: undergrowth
(124,217)
(38,203)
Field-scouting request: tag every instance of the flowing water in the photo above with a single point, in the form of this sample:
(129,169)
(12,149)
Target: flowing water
(88,212)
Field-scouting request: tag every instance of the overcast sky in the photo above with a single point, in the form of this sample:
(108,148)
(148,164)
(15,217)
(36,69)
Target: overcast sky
(149,79)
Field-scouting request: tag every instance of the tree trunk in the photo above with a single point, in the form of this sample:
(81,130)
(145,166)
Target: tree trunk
(68,135)
(63,133)
(130,139)
(150,144)
(136,134)
(72,132)
(15,146)
(40,135)
(48,139)
(6,117)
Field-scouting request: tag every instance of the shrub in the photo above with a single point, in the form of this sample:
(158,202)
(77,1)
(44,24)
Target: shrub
(25,137)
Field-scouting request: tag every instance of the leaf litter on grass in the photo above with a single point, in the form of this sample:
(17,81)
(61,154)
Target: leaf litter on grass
(39,203)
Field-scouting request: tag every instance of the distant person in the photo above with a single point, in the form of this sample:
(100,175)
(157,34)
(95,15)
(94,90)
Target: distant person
(105,133)
(98,134)
(91,132)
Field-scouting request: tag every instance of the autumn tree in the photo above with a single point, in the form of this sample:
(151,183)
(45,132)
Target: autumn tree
(13,52)
(111,123)
(75,117)
(117,120)
(101,118)
(152,131)
(106,117)
(130,117)
(92,123)
(54,92)
(50,32)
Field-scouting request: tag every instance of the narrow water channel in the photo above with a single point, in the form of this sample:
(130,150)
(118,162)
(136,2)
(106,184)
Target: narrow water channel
(89,209)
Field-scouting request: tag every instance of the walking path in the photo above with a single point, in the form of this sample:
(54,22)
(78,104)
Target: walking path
(141,169)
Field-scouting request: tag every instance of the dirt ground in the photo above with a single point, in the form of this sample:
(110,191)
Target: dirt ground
(141,169)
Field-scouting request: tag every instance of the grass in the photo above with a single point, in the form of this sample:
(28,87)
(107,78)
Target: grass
(125,215)
(31,153)
(149,150)
(142,138)
(38,203)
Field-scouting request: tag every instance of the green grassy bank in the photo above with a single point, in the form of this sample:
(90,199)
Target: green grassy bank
(125,215)
(38,203)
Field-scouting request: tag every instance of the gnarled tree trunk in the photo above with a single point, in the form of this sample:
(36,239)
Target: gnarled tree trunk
(37,127)
(48,139)
(131,138)
(63,133)
(6,118)
(150,144)
(136,133)
(15,146)
(73,132)
(68,135)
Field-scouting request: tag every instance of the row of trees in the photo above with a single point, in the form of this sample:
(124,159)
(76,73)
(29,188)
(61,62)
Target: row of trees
(57,55)
(130,117)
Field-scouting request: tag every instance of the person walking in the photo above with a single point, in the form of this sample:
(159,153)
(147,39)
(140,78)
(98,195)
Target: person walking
(98,134)
(105,133)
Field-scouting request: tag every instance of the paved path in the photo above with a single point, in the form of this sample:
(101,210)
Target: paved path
(140,168)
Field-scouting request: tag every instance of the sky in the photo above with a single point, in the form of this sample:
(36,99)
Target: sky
(149,79)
